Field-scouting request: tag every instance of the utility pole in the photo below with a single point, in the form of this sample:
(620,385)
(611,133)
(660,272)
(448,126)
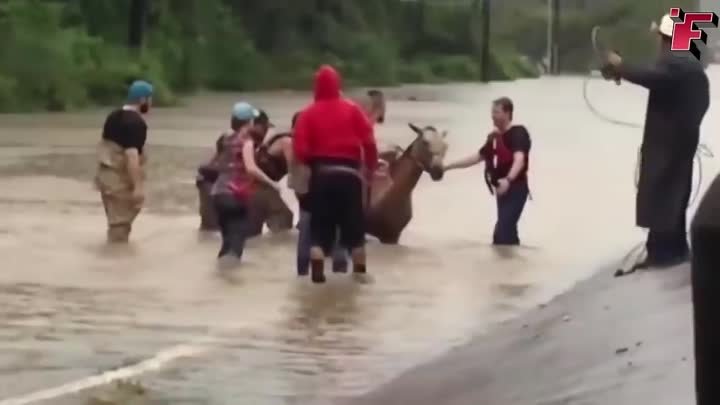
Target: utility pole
(553,29)
(485,51)
(136,23)
(549,39)
(555,35)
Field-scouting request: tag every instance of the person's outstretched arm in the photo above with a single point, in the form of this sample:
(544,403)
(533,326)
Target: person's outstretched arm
(464,163)
(248,154)
(468,161)
(473,159)
(650,77)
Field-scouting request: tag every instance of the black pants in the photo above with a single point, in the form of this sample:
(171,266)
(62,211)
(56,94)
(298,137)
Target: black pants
(232,217)
(509,209)
(667,246)
(336,203)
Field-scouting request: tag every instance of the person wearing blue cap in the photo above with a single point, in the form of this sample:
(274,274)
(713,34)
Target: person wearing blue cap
(267,206)
(238,179)
(120,173)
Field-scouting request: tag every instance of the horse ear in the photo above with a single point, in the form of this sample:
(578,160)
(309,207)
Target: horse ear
(415,129)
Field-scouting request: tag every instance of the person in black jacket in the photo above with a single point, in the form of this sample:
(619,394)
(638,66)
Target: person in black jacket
(678,100)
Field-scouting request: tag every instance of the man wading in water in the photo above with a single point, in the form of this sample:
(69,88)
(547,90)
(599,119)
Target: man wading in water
(506,154)
(304,243)
(335,139)
(120,173)
(374,106)
(678,100)
(373,103)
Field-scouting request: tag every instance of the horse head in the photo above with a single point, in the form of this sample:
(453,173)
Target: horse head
(429,150)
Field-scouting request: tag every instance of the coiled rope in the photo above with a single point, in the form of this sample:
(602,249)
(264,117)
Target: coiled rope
(703,151)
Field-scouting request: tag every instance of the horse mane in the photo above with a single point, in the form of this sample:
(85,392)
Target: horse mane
(406,151)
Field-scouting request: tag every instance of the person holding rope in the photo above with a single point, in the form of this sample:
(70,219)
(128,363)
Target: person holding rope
(678,100)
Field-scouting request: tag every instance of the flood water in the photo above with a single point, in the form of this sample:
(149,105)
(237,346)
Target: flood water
(71,308)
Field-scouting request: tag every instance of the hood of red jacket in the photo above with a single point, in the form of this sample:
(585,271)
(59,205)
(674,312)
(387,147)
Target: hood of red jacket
(327,83)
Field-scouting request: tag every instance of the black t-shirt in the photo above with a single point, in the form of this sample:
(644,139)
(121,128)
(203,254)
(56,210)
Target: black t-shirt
(516,139)
(274,166)
(126,128)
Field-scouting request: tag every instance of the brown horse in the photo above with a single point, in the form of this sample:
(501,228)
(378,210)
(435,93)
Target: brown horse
(391,209)
(389,213)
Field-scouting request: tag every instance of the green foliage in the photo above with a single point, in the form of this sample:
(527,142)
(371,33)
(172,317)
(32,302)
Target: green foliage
(46,65)
(63,54)
(8,89)
(625,27)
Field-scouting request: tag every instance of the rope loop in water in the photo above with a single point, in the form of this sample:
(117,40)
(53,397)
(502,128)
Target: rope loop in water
(703,150)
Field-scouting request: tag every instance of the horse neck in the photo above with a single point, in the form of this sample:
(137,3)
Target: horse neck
(406,174)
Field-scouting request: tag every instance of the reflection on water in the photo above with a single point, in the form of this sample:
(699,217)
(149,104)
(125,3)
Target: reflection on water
(72,307)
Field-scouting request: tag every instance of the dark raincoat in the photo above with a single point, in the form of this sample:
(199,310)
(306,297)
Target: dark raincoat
(678,100)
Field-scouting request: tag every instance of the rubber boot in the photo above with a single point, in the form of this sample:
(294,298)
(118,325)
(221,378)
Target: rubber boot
(118,234)
(317,268)
(360,274)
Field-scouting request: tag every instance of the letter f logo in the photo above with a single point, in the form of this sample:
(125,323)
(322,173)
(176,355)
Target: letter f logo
(688,29)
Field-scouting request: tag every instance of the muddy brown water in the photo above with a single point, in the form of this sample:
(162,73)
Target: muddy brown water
(72,308)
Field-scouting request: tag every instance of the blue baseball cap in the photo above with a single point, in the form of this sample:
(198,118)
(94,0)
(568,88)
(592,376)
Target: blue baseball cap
(139,90)
(244,111)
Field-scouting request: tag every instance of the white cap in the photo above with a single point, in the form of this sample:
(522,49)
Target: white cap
(665,27)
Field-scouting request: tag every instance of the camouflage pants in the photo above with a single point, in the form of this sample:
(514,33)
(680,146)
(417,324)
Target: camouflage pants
(121,212)
(117,199)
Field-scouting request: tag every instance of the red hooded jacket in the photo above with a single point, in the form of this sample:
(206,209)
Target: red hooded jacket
(333,126)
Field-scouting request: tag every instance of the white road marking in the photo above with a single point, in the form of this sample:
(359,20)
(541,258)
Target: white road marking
(154,363)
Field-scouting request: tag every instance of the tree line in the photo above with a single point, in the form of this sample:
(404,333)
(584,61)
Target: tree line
(63,54)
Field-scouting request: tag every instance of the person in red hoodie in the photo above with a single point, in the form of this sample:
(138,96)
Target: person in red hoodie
(334,137)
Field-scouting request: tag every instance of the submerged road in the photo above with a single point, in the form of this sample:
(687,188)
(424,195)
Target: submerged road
(72,310)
